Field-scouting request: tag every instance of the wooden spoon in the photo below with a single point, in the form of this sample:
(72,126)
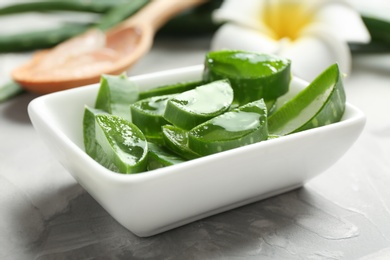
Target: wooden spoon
(81,60)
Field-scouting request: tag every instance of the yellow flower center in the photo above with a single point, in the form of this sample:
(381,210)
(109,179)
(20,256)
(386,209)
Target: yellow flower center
(286,18)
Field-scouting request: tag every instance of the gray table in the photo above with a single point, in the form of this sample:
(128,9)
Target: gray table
(342,214)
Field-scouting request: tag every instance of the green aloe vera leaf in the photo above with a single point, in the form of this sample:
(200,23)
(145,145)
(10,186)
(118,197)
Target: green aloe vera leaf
(252,75)
(242,126)
(193,107)
(115,95)
(170,89)
(91,146)
(160,157)
(176,140)
(124,144)
(148,115)
(322,102)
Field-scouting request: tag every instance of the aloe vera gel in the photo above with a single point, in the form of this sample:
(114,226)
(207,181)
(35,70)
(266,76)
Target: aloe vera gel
(232,105)
(253,75)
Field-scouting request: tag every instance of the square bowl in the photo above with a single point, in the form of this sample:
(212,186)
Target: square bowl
(155,201)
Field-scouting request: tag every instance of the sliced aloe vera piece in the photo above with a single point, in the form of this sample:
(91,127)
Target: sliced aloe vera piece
(252,75)
(242,126)
(322,102)
(271,106)
(124,144)
(176,140)
(159,157)
(170,89)
(148,113)
(193,107)
(115,95)
(91,146)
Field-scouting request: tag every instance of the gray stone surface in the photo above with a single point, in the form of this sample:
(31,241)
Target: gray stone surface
(342,214)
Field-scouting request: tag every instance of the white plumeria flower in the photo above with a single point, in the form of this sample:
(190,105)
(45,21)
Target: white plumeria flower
(379,9)
(312,33)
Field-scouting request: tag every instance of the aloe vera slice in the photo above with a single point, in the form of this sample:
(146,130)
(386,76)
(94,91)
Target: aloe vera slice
(148,113)
(252,75)
(122,141)
(176,140)
(193,107)
(322,102)
(241,126)
(91,146)
(115,95)
(170,89)
(271,106)
(159,157)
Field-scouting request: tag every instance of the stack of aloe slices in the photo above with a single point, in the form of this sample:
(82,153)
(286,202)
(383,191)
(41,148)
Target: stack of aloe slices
(234,104)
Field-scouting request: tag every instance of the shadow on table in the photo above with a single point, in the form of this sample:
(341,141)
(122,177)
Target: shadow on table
(377,64)
(269,228)
(16,108)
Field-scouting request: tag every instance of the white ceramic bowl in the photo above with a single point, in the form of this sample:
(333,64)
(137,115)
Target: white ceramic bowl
(159,200)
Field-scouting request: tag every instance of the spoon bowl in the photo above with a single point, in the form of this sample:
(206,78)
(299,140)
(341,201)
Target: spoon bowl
(83,59)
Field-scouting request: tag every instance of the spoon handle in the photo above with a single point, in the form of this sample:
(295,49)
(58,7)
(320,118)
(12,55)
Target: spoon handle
(158,12)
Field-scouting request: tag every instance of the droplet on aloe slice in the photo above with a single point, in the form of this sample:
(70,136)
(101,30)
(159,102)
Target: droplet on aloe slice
(124,144)
(252,75)
(148,115)
(242,126)
(193,107)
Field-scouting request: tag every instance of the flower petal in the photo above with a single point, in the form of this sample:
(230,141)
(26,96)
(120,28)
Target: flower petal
(232,36)
(244,12)
(315,50)
(376,8)
(312,53)
(344,21)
